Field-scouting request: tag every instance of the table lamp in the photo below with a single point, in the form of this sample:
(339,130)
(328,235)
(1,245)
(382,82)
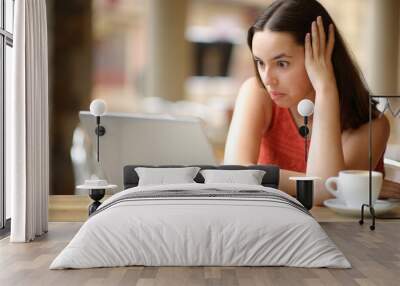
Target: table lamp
(305,185)
(97,184)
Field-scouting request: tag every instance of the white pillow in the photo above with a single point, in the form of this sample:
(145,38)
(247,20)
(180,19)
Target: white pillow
(248,177)
(162,176)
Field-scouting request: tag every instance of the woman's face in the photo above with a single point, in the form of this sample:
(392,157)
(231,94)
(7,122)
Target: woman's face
(280,64)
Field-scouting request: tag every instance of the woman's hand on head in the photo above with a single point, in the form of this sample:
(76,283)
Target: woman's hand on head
(318,55)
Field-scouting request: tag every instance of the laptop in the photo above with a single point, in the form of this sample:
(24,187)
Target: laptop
(146,139)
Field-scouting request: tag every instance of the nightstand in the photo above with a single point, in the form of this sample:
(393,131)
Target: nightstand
(96,193)
(305,190)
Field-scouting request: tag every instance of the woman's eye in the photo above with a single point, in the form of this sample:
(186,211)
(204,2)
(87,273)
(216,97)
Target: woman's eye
(283,64)
(259,63)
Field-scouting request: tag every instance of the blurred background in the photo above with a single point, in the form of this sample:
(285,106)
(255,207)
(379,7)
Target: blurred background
(182,57)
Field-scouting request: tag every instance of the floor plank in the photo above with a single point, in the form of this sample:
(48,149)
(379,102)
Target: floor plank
(375,257)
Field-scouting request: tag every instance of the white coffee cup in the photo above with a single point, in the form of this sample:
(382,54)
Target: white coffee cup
(353,187)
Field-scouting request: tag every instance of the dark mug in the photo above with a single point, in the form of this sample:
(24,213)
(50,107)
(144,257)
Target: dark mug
(305,193)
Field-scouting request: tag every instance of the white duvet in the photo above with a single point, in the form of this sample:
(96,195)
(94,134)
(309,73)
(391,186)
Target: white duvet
(200,231)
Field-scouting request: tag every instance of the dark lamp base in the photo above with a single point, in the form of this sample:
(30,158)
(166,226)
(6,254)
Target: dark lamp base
(305,193)
(96,195)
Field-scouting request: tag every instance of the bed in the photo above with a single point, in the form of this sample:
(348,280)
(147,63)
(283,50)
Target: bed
(201,223)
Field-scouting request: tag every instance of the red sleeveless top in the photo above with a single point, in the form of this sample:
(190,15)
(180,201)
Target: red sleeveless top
(282,144)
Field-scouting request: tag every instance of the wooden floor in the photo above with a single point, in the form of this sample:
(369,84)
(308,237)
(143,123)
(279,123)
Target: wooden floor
(374,255)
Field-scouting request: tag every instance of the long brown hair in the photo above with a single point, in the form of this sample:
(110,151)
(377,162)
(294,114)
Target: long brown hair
(295,17)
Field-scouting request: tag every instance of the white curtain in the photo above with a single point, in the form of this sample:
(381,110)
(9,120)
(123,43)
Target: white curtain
(27,144)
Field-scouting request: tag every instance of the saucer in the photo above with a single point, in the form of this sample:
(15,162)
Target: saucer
(340,207)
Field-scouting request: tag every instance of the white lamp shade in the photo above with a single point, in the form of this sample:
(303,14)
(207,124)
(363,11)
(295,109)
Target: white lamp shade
(305,107)
(98,107)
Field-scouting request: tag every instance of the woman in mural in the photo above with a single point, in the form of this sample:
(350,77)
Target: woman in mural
(298,54)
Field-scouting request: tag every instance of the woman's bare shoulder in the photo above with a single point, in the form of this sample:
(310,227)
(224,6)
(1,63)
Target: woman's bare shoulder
(380,126)
(249,122)
(253,99)
(253,87)
(252,92)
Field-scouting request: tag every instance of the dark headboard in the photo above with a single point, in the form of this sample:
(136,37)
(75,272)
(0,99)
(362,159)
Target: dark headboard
(270,179)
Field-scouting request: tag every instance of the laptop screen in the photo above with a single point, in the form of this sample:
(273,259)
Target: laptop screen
(144,139)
